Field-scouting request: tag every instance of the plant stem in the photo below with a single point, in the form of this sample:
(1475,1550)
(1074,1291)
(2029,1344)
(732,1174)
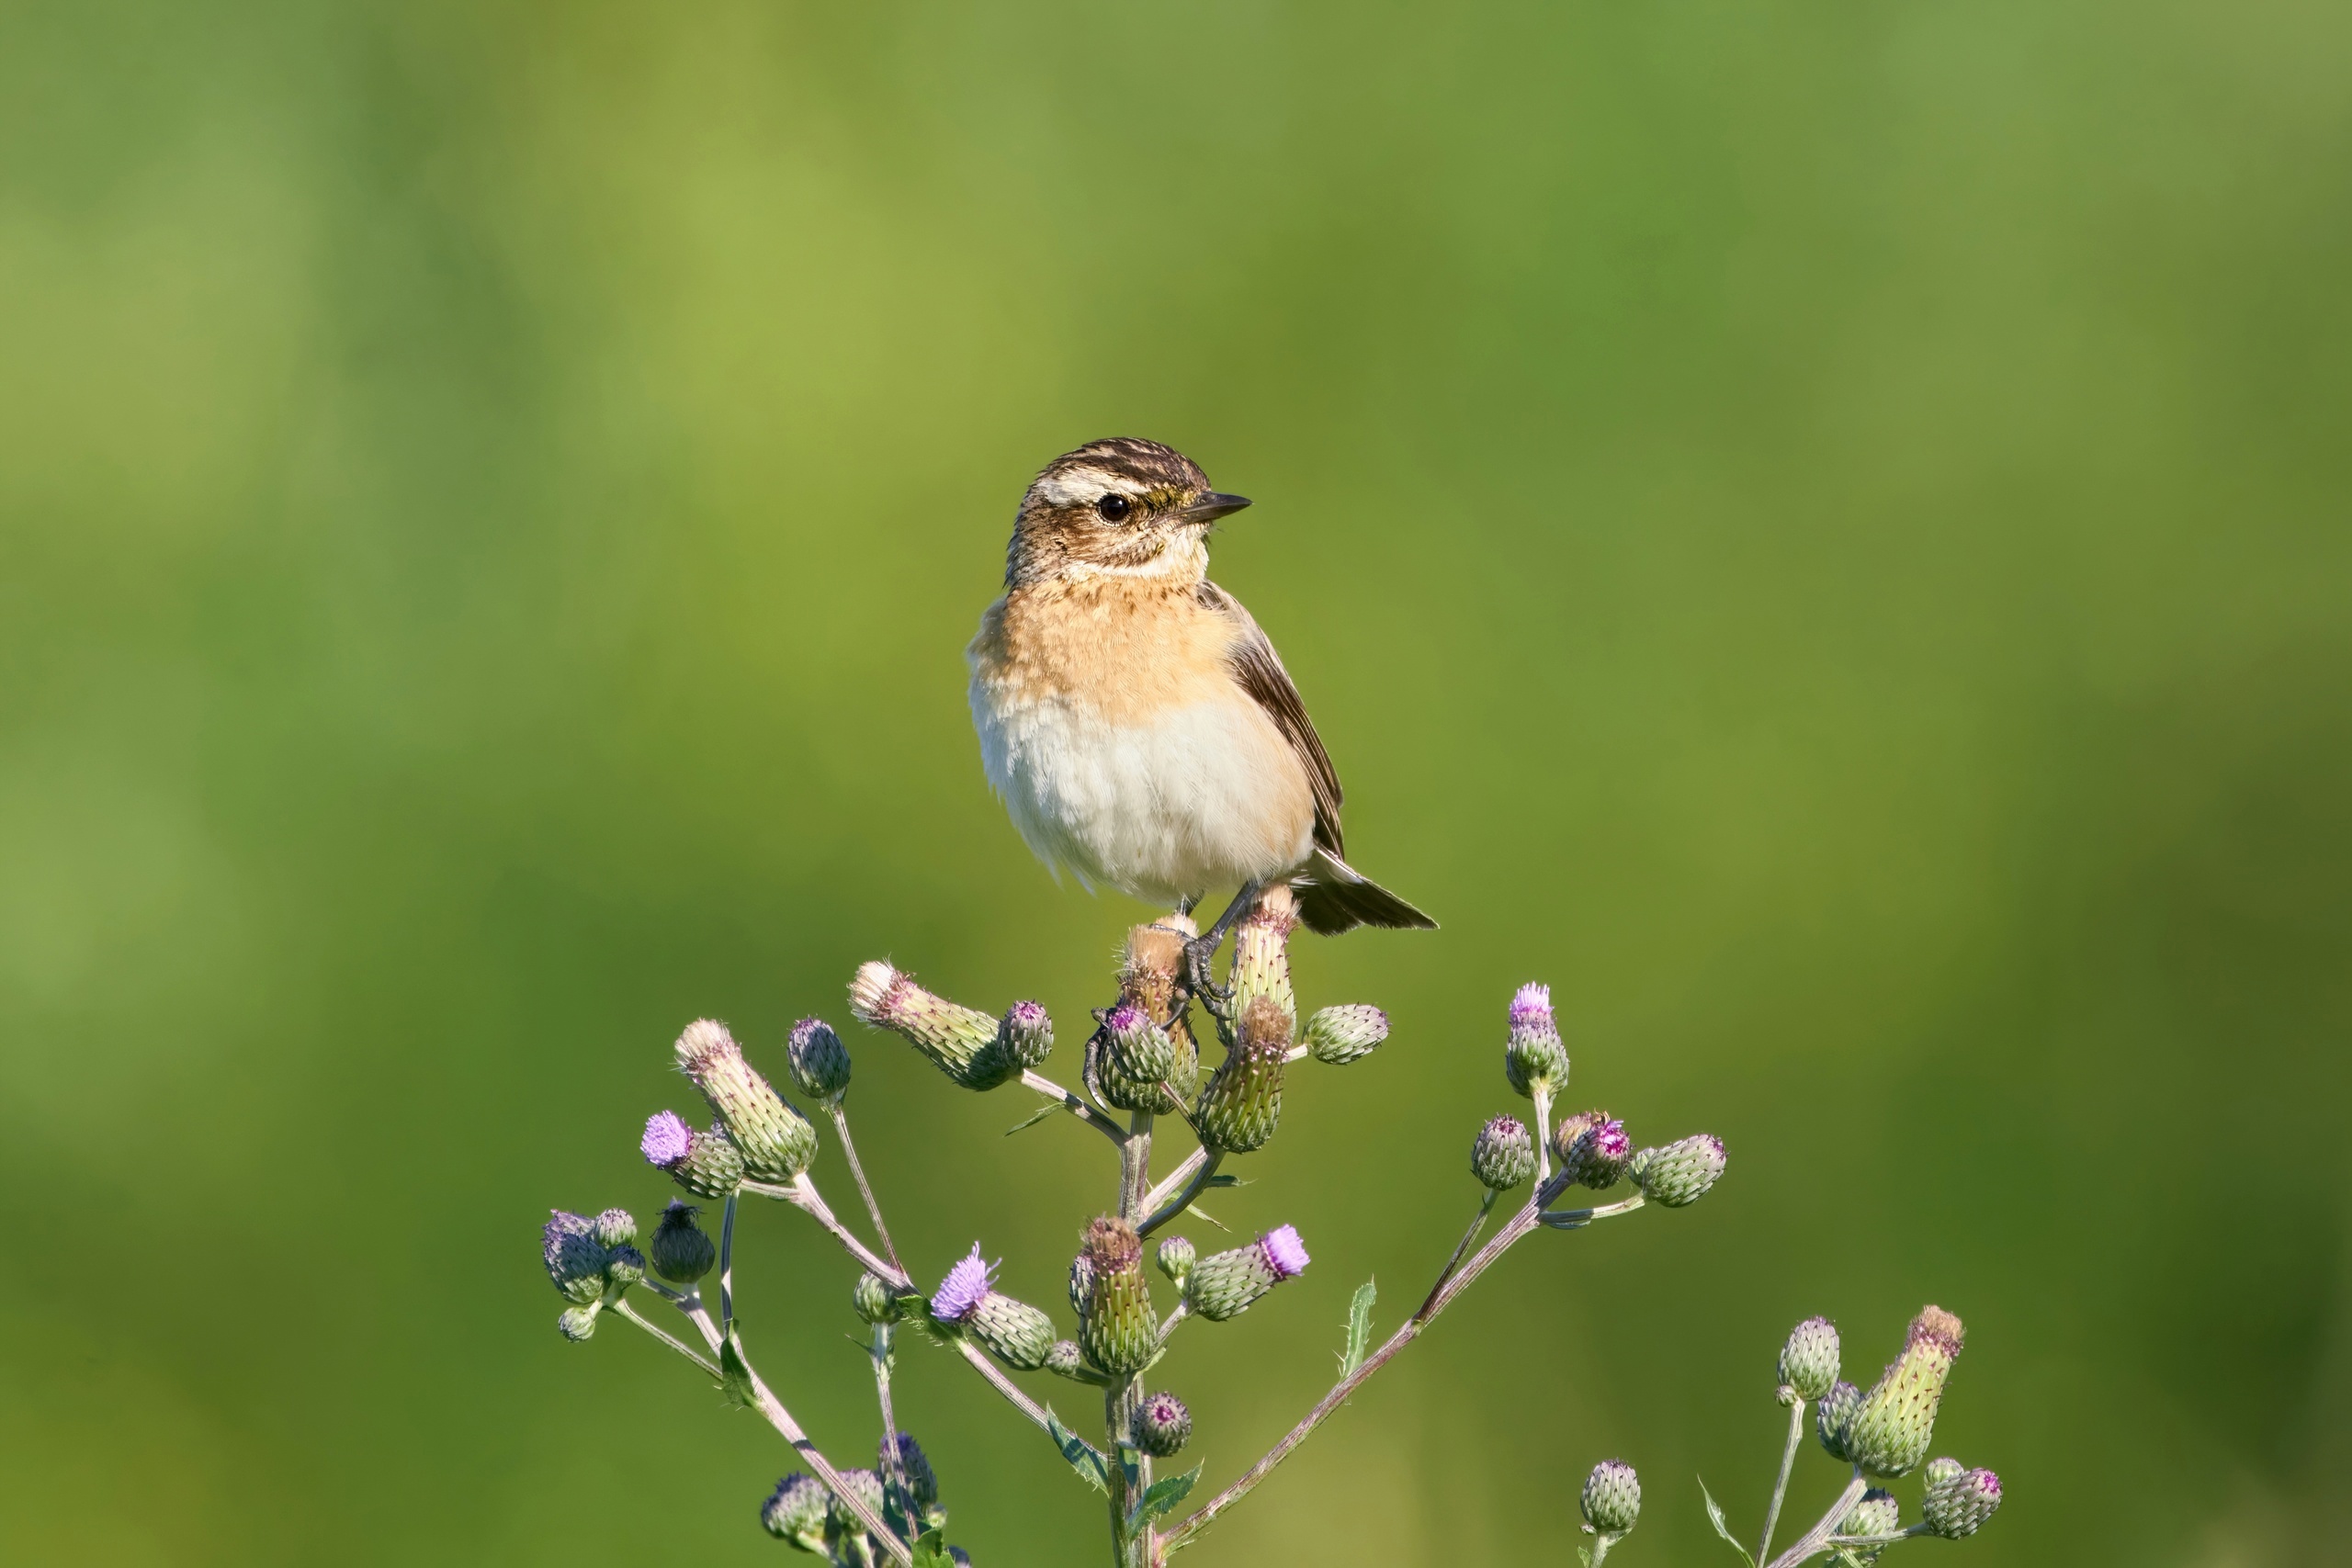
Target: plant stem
(1120,1400)
(1477,1223)
(1600,1545)
(663,1335)
(1173,1181)
(1542,1087)
(1780,1487)
(1175,1206)
(894,1471)
(802,1195)
(1072,1103)
(727,1266)
(1005,1385)
(1814,1539)
(873,1208)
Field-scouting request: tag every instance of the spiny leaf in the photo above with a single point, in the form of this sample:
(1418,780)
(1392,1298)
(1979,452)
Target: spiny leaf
(1359,1328)
(1080,1454)
(734,1370)
(1716,1516)
(1160,1497)
(1028,1121)
(931,1551)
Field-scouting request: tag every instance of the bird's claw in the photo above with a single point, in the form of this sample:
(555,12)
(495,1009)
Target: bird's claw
(1200,974)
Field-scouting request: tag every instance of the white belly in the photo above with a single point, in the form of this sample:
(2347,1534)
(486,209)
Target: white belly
(1203,797)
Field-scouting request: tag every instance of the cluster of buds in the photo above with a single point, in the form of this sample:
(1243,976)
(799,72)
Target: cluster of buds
(591,1263)
(775,1140)
(973,1049)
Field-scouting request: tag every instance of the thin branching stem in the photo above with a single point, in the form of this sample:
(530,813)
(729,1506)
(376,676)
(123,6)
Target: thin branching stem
(727,1265)
(865,1189)
(1814,1539)
(1208,1160)
(1174,1181)
(663,1335)
(1073,1104)
(803,1195)
(1780,1486)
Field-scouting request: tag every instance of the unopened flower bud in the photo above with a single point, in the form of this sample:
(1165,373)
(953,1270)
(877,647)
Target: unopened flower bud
(1535,1056)
(820,1064)
(1877,1513)
(1958,1505)
(1260,965)
(868,1489)
(1679,1173)
(1162,1425)
(1612,1498)
(578,1323)
(1063,1358)
(1115,1325)
(1809,1361)
(624,1266)
(1502,1156)
(796,1512)
(615,1227)
(1889,1433)
(575,1258)
(707,1165)
(1939,1471)
(923,1482)
(1242,1104)
(1224,1284)
(775,1140)
(1026,1034)
(872,1299)
(1174,1256)
(1140,1051)
(960,1042)
(1834,1416)
(1349,1033)
(1593,1149)
(681,1250)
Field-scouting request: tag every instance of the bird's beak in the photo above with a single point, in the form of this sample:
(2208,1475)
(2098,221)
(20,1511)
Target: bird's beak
(1211,506)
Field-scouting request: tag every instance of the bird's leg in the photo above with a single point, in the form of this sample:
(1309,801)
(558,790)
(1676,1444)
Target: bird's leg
(1200,952)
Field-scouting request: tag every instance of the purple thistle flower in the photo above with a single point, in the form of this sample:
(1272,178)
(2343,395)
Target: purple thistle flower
(966,1285)
(1609,1141)
(1284,1252)
(1125,1017)
(1532,1005)
(1028,1015)
(668,1140)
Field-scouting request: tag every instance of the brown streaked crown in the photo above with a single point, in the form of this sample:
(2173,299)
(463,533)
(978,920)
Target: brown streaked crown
(1110,504)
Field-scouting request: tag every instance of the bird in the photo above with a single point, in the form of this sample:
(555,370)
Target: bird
(1135,721)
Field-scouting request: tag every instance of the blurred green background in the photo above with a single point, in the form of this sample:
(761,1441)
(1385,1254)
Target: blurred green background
(1818,529)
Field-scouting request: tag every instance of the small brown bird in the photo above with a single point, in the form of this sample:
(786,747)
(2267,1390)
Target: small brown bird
(1139,726)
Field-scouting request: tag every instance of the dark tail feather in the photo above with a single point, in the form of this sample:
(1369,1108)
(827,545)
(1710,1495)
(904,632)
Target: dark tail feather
(1333,896)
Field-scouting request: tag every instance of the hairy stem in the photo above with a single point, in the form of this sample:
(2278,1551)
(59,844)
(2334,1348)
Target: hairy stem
(1543,1088)
(663,1335)
(1004,1385)
(1173,1181)
(894,1471)
(1072,1103)
(1477,1223)
(866,1190)
(1816,1538)
(727,1265)
(802,1195)
(1780,1487)
(1175,1206)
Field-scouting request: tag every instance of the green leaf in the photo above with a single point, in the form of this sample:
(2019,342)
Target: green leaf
(1200,1213)
(1716,1515)
(1160,1497)
(931,1551)
(1584,1555)
(1225,1178)
(1359,1328)
(1028,1121)
(1080,1454)
(734,1370)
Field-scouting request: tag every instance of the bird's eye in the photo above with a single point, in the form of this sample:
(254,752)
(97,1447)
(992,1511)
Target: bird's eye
(1113,508)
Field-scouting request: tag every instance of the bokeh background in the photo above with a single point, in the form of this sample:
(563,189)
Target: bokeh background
(1818,529)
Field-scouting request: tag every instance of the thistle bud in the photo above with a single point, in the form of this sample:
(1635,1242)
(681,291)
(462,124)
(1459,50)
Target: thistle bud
(1174,1256)
(1958,1505)
(796,1512)
(1139,1050)
(1534,1058)
(1877,1513)
(615,1227)
(1349,1033)
(1065,1360)
(575,1258)
(775,1140)
(872,1299)
(681,1250)
(707,1164)
(1224,1284)
(1593,1149)
(1679,1173)
(1939,1471)
(1025,1035)
(1240,1107)
(1147,982)
(1809,1361)
(624,1266)
(1833,1420)
(820,1061)
(1014,1332)
(922,1482)
(1115,1325)
(960,1042)
(867,1486)
(1612,1498)
(1502,1156)
(578,1323)
(1162,1425)
(1889,1432)
(1262,958)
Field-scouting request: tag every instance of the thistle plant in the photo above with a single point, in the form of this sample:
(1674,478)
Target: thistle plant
(1134,1279)
(1882,1434)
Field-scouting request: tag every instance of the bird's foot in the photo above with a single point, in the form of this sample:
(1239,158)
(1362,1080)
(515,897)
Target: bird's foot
(1200,969)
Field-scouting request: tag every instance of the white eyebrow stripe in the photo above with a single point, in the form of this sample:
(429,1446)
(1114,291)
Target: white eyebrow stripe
(1083,486)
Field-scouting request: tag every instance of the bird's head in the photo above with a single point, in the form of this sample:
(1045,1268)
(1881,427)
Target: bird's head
(1122,507)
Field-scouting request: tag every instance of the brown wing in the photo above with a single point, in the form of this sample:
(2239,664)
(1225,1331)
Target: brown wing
(1259,671)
